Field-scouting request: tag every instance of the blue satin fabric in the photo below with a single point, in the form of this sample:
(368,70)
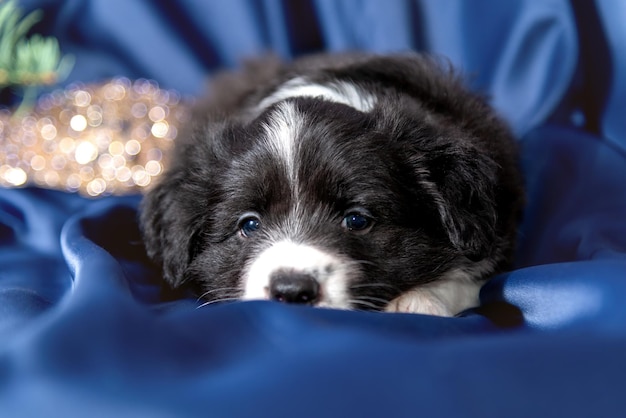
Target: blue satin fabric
(83,331)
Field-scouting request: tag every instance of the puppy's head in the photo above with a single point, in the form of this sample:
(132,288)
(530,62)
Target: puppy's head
(322,203)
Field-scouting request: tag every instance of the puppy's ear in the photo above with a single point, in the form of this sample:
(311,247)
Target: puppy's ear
(168,229)
(463,182)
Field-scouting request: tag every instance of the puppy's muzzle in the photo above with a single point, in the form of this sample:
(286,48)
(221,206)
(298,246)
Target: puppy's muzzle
(299,273)
(291,286)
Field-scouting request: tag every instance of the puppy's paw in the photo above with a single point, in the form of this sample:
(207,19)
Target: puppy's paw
(419,302)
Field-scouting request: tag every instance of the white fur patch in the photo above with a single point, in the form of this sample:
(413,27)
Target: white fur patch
(330,272)
(448,296)
(338,92)
(281,131)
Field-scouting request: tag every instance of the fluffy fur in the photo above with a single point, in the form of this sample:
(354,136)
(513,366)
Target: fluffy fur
(351,181)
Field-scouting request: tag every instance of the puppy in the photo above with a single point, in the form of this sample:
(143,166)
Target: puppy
(346,181)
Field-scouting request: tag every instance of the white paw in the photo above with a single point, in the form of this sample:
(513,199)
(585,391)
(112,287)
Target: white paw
(415,301)
(454,292)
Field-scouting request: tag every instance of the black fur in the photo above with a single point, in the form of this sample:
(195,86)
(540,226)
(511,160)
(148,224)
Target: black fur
(432,164)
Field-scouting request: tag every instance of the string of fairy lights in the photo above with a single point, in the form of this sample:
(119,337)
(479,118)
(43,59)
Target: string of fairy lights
(101,139)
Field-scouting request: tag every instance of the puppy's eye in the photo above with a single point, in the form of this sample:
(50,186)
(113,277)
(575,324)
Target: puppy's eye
(249,225)
(356,222)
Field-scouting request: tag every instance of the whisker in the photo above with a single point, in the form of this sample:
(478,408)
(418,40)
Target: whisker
(372,299)
(371,302)
(221,289)
(359,302)
(360,262)
(374,285)
(211,302)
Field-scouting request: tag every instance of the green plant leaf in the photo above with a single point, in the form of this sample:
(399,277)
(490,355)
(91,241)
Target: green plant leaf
(28,62)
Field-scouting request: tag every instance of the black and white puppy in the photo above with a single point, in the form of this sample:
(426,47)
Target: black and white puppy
(350,182)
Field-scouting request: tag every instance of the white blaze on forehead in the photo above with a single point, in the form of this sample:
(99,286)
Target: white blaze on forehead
(339,92)
(331,272)
(281,133)
(285,123)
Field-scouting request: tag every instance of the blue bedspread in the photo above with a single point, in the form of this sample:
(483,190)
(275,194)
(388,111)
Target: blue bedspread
(84,333)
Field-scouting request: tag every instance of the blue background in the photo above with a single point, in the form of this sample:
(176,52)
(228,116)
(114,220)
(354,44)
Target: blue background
(82,329)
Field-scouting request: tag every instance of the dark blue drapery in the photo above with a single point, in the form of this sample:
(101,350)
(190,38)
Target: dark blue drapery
(82,329)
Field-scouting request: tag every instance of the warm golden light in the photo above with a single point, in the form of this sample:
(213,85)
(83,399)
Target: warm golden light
(98,140)
(78,123)
(85,152)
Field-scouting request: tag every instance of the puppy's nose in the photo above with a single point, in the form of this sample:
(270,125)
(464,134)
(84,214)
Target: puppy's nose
(293,287)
